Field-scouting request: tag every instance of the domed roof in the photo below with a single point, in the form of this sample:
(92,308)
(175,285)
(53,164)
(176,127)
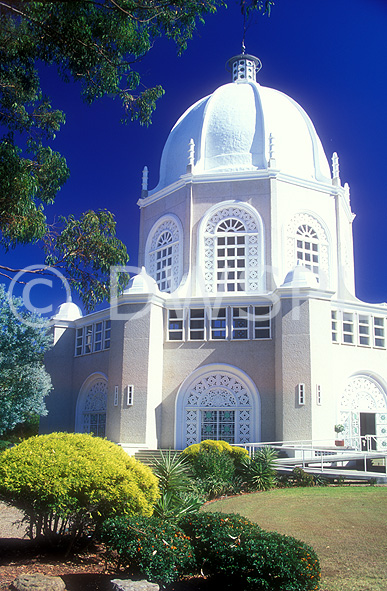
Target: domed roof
(68,311)
(300,276)
(141,283)
(238,127)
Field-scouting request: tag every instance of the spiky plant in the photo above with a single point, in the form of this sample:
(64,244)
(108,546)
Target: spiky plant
(178,495)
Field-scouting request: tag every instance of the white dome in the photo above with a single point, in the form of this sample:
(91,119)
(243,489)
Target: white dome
(142,283)
(68,311)
(231,130)
(300,276)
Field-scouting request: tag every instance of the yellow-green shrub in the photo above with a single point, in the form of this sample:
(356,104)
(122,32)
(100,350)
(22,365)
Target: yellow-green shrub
(68,483)
(236,453)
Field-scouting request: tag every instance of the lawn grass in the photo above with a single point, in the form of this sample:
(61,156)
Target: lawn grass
(347,527)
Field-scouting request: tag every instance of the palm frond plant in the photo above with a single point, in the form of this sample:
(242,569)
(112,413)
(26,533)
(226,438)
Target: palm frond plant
(179,496)
(259,471)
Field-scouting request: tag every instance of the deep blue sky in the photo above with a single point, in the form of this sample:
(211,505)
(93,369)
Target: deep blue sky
(329,55)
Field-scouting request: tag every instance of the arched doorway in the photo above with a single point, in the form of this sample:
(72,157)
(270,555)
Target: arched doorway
(363,412)
(217,401)
(92,405)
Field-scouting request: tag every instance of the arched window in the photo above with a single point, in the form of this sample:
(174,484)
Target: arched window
(91,407)
(163,254)
(217,402)
(308,248)
(233,251)
(307,244)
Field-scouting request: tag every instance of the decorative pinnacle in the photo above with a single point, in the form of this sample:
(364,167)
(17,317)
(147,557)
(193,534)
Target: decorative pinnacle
(243,66)
(272,162)
(335,169)
(144,186)
(145,179)
(191,155)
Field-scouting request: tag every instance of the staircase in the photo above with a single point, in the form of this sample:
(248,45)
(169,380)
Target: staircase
(147,456)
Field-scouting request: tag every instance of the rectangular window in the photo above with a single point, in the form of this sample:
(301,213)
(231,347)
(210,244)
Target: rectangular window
(301,394)
(262,324)
(318,394)
(379,337)
(218,323)
(348,335)
(335,327)
(79,342)
(197,324)
(88,338)
(98,336)
(175,325)
(364,330)
(129,395)
(107,332)
(240,323)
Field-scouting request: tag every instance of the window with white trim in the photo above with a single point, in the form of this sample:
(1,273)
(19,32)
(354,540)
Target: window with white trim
(129,395)
(301,394)
(197,326)
(88,336)
(92,338)
(348,328)
(163,255)
(233,250)
(175,325)
(230,256)
(240,323)
(363,330)
(98,333)
(307,248)
(355,328)
(79,342)
(379,336)
(334,326)
(107,332)
(218,323)
(164,261)
(262,322)
(225,323)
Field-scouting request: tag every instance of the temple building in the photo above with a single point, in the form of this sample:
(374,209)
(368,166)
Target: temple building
(242,322)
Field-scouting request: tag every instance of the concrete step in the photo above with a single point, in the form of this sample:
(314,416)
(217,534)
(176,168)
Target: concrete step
(147,456)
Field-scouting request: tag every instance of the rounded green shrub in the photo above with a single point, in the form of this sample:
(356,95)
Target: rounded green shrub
(68,483)
(238,554)
(160,550)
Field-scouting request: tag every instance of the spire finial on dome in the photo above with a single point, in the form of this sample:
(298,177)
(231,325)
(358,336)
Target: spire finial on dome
(272,162)
(191,155)
(144,185)
(244,66)
(335,170)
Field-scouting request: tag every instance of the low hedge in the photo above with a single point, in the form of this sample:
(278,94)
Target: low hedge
(243,556)
(160,550)
(232,551)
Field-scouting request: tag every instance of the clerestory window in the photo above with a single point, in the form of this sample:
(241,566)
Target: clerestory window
(233,251)
(308,248)
(163,254)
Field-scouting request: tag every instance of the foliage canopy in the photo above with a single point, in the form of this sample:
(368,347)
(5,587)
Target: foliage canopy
(72,481)
(97,43)
(24,383)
